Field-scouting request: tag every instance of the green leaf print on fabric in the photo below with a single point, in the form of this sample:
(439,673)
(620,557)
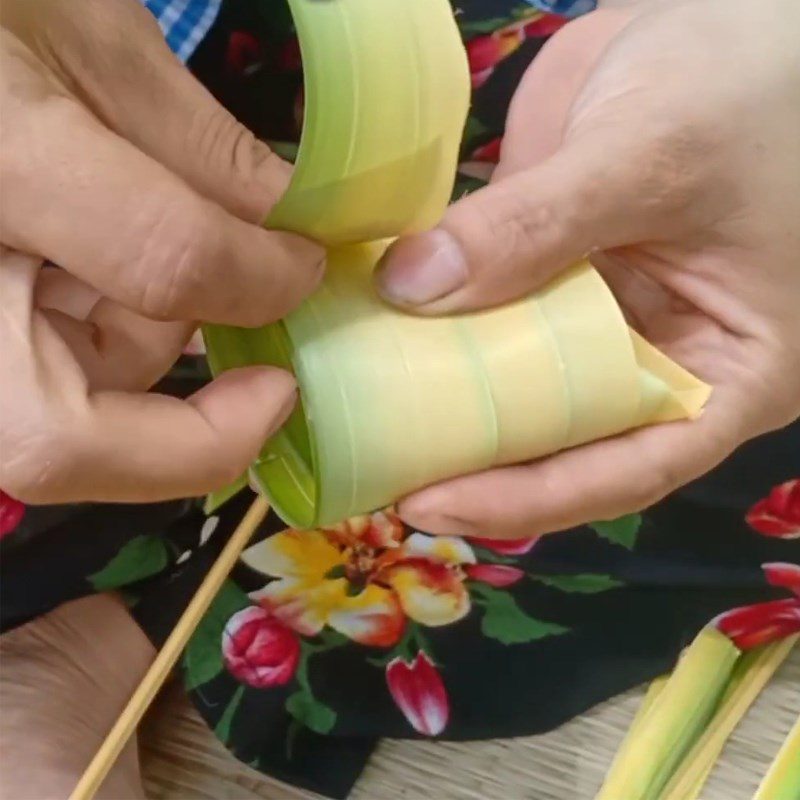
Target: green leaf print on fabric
(581,584)
(223,728)
(306,710)
(482,26)
(623,530)
(465,185)
(474,128)
(309,711)
(140,558)
(202,660)
(506,622)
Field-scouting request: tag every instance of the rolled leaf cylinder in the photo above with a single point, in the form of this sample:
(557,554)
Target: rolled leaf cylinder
(391,402)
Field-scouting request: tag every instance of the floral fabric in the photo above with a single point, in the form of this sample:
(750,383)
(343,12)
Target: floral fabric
(322,641)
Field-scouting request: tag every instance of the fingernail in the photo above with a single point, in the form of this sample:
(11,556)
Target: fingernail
(420,269)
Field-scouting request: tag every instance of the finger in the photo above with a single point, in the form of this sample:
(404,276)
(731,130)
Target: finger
(534,132)
(149,447)
(61,444)
(117,59)
(118,349)
(509,238)
(56,289)
(123,223)
(599,481)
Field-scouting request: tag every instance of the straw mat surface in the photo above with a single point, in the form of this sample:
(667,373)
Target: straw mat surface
(183,761)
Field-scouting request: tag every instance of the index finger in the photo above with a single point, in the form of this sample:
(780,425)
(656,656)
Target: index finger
(79,195)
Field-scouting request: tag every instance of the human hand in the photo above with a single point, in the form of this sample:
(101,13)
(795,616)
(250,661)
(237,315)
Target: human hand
(665,144)
(120,168)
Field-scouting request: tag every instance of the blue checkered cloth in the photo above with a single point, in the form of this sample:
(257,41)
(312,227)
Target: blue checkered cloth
(184,22)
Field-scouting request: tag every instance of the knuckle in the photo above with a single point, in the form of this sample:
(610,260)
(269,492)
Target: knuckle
(31,112)
(231,149)
(176,251)
(514,224)
(253,162)
(36,467)
(673,166)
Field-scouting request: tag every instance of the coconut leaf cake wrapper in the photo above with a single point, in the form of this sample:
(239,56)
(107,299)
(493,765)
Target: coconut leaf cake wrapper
(391,402)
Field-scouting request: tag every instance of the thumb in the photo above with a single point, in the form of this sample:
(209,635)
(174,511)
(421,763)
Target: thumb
(509,238)
(144,447)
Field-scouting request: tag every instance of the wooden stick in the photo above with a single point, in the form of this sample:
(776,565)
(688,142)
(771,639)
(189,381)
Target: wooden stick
(166,659)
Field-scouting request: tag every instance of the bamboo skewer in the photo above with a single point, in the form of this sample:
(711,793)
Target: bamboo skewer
(159,670)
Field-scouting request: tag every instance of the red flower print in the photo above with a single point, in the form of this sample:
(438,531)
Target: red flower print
(289,57)
(546,25)
(784,575)
(299,109)
(243,53)
(751,626)
(11,513)
(778,514)
(418,690)
(505,547)
(364,578)
(369,576)
(489,152)
(485,52)
(497,575)
(258,649)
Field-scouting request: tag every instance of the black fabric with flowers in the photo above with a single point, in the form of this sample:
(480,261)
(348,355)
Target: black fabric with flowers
(323,641)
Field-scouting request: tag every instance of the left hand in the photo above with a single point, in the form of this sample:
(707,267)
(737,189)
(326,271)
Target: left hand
(117,165)
(670,156)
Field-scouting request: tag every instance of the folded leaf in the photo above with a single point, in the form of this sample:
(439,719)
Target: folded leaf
(751,674)
(675,717)
(391,402)
(782,781)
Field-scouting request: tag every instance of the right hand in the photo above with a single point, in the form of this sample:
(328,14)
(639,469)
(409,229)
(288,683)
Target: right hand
(117,165)
(640,138)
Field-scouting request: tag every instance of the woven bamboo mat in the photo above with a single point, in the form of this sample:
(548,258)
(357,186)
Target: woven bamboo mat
(182,760)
